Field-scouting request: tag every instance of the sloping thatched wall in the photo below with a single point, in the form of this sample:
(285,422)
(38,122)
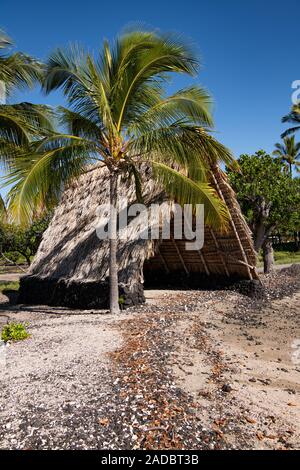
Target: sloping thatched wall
(71,266)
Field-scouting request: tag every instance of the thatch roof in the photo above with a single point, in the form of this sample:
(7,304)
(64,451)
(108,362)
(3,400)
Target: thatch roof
(71,265)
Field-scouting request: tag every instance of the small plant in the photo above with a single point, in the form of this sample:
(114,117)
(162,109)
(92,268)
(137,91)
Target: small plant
(14,332)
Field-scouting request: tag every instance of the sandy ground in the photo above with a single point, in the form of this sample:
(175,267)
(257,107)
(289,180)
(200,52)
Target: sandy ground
(260,372)
(189,369)
(9,277)
(62,366)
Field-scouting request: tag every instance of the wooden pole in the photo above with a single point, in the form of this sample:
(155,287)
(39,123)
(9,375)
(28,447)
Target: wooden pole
(163,261)
(220,251)
(179,255)
(215,169)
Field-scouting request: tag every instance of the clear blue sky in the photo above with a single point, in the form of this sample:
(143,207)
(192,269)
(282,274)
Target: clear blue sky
(249,51)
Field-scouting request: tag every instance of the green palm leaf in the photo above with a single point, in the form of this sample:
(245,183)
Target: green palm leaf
(17,70)
(38,176)
(191,105)
(186,191)
(294,118)
(288,152)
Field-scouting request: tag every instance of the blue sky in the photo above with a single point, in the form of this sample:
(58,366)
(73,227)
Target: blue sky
(248,48)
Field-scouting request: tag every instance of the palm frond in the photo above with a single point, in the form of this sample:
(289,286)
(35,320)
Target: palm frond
(172,145)
(215,152)
(290,131)
(101,97)
(40,175)
(18,71)
(294,118)
(12,128)
(79,125)
(74,71)
(65,68)
(5,41)
(288,152)
(9,152)
(191,148)
(161,55)
(190,106)
(186,191)
(134,172)
(22,123)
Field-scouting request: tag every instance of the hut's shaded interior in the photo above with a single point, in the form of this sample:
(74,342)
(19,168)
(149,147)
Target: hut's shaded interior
(218,263)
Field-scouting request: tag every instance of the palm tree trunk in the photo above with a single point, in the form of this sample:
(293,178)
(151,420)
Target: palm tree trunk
(113,266)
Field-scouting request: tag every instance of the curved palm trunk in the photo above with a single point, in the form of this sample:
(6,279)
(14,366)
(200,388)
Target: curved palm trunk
(113,266)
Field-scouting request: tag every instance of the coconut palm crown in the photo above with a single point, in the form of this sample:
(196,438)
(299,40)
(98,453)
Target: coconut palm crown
(120,116)
(288,153)
(294,118)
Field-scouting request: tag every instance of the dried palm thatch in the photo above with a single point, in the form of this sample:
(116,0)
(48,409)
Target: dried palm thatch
(71,266)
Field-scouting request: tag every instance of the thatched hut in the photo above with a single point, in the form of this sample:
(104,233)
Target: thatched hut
(71,265)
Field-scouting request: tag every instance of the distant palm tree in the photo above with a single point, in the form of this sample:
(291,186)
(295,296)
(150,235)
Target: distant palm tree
(288,153)
(294,118)
(120,116)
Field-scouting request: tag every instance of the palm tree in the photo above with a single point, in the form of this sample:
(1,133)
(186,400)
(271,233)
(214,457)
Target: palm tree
(288,153)
(19,123)
(294,118)
(23,123)
(120,117)
(17,70)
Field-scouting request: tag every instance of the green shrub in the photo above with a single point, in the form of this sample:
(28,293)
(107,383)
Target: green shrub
(14,332)
(9,285)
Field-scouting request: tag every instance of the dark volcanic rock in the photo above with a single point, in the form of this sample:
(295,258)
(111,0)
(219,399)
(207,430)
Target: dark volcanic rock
(253,289)
(75,294)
